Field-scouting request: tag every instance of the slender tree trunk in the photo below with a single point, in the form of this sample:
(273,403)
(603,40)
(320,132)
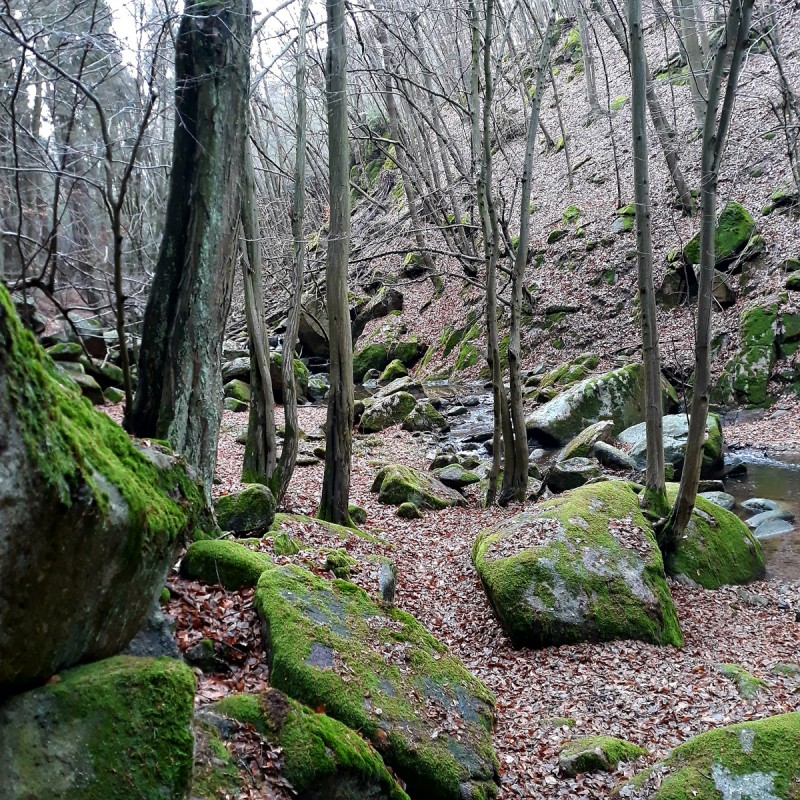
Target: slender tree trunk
(588,61)
(179,396)
(737,30)
(291,436)
(694,58)
(655,496)
(335,499)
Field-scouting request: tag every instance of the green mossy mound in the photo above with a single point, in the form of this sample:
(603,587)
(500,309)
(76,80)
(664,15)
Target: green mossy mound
(371,356)
(735,226)
(409,511)
(397,484)
(300,526)
(322,758)
(424,417)
(583,566)
(73,482)
(252,509)
(113,730)
(747,685)
(224,563)
(456,477)
(65,351)
(238,390)
(756,760)
(394,369)
(381,673)
(215,771)
(387,411)
(716,548)
(596,754)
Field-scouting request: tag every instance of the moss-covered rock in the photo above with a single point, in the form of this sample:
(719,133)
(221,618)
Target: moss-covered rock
(111,730)
(371,356)
(456,477)
(381,673)
(387,411)
(357,514)
(237,406)
(301,376)
(596,754)
(735,226)
(397,484)
(65,351)
(617,396)
(747,685)
(73,482)
(582,445)
(570,473)
(409,511)
(583,566)
(88,386)
(251,509)
(113,395)
(322,758)
(716,548)
(224,563)
(564,375)
(394,369)
(238,390)
(424,417)
(759,759)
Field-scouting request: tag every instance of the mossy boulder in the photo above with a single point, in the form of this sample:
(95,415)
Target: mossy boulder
(735,226)
(397,484)
(409,511)
(716,549)
(238,390)
(456,477)
(759,759)
(564,375)
(111,730)
(747,685)
(424,417)
(252,509)
(570,473)
(87,512)
(301,376)
(582,445)
(596,754)
(88,386)
(582,566)
(371,356)
(65,351)
(381,673)
(222,562)
(387,411)
(617,396)
(322,758)
(394,369)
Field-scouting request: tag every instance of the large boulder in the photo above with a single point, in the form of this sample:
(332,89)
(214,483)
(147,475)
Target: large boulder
(381,673)
(581,446)
(224,563)
(252,509)
(582,566)
(734,228)
(385,301)
(617,396)
(571,473)
(716,549)
(91,520)
(759,760)
(113,730)
(397,484)
(301,376)
(387,411)
(676,433)
(322,758)
(424,417)
(312,331)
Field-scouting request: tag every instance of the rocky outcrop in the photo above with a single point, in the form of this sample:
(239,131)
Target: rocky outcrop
(387,411)
(397,484)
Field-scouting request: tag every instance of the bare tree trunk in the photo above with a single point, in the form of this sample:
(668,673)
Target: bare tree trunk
(655,495)
(291,436)
(737,30)
(694,58)
(588,61)
(179,396)
(335,499)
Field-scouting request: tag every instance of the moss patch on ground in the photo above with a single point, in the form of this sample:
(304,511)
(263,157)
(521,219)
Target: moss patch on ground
(583,566)
(381,673)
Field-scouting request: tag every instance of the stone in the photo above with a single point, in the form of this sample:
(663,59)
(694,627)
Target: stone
(409,511)
(768,516)
(321,757)
(238,390)
(312,330)
(371,356)
(735,226)
(722,499)
(757,759)
(91,520)
(232,404)
(387,411)
(581,566)
(404,384)
(581,446)
(89,387)
(556,235)
(111,730)
(456,476)
(596,754)
(156,636)
(424,417)
(65,351)
(385,301)
(616,395)
(571,473)
(394,369)
(397,484)
(757,504)
(318,386)
(773,527)
(612,457)
(236,369)
(221,562)
(328,645)
(252,509)
(301,376)
(716,549)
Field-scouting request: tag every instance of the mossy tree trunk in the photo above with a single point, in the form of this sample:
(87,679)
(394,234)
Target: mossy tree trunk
(715,132)
(655,487)
(179,396)
(334,501)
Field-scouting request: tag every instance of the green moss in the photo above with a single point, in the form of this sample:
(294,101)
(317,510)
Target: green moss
(111,730)
(372,356)
(556,569)
(397,484)
(747,685)
(65,351)
(593,753)
(409,511)
(224,563)
(717,548)
(735,226)
(322,757)
(285,545)
(571,214)
(394,369)
(329,646)
(288,523)
(70,445)
(618,103)
(357,514)
(249,510)
(216,774)
(556,235)
(340,563)
(238,390)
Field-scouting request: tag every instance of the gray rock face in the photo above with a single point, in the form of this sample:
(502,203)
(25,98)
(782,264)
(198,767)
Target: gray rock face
(727,501)
(318,386)
(236,369)
(768,516)
(772,527)
(758,504)
(456,476)
(312,331)
(612,457)
(571,473)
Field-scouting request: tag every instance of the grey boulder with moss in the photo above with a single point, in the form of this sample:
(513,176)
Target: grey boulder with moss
(387,411)
(397,484)
(424,417)
(571,473)
(252,509)
(456,477)
(112,730)
(91,520)
(322,758)
(581,446)
(596,754)
(582,566)
(759,760)
(381,673)
(224,563)
(394,369)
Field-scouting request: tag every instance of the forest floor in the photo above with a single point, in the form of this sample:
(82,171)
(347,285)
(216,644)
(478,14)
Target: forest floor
(653,696)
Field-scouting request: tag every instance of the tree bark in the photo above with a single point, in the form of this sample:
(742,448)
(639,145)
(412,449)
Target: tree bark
(334,502)
(179,396)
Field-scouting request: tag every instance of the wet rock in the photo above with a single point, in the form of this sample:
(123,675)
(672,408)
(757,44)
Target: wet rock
(722,499)
(772,527)
(768,516)
(758,504)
